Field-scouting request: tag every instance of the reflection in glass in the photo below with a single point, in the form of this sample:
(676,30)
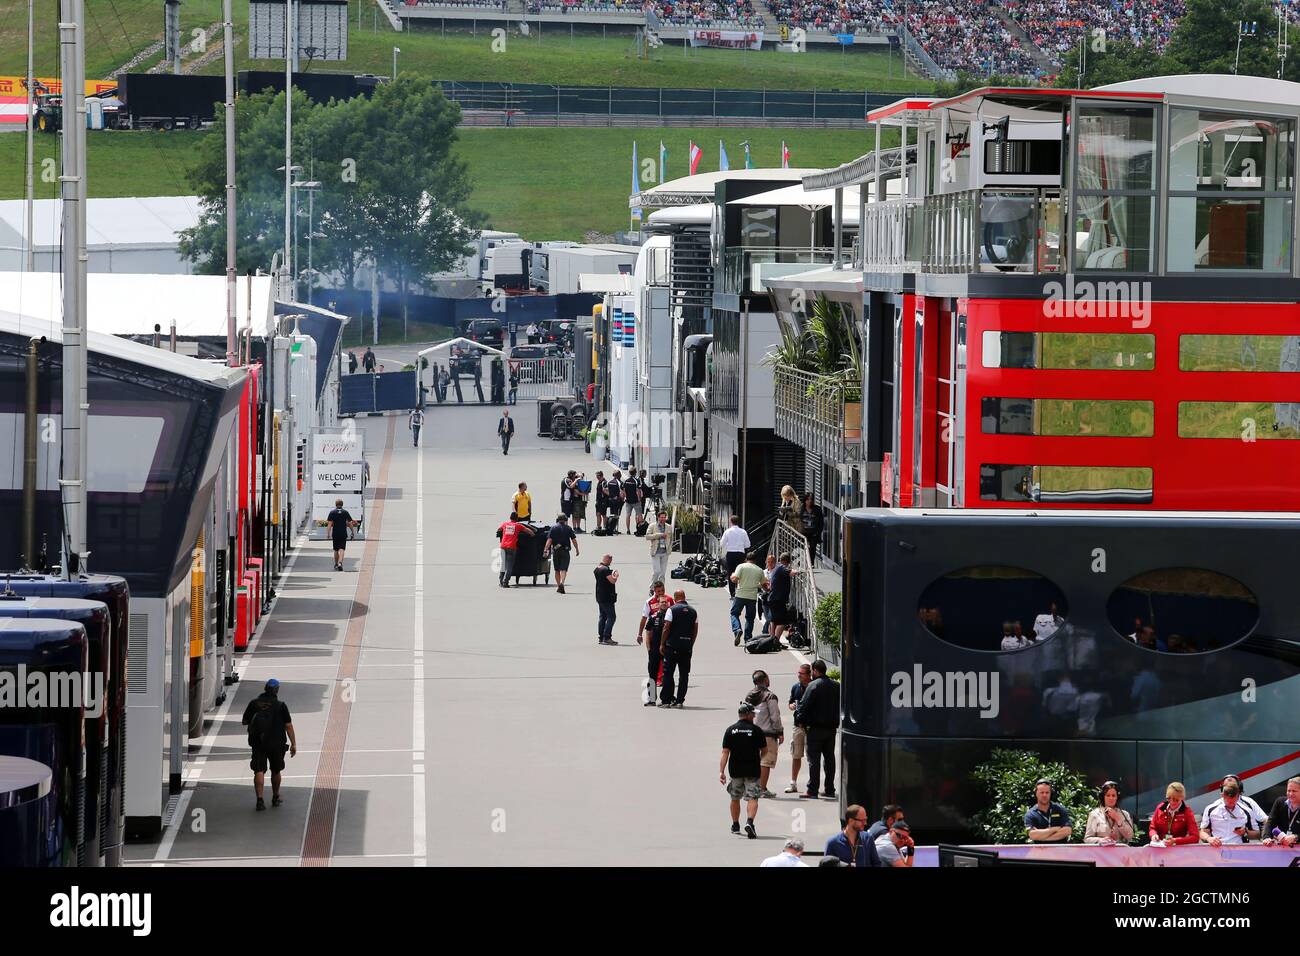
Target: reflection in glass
(1065,483)
(1239,353)
(1229,233)
(1116,148)
(1069,350)
(1182,610)
(1241,421)
(992,608)
(1067,417)
(1218,152)
(1114,233)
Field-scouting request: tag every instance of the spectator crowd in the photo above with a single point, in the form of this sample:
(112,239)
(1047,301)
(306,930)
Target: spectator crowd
(1056,26)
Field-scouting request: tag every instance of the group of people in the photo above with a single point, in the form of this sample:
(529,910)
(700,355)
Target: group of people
(841,16)
(368,362)
(751,746)
(1055,26)
(1234,818)
(963,35)
(708,13)
(885,843)
(751,586)
(804,515)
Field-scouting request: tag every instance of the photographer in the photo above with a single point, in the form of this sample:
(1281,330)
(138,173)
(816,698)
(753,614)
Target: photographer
(895,846)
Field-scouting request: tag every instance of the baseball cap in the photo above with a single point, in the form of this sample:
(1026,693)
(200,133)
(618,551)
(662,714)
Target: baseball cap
(744,709)
(902,825)
(272,684)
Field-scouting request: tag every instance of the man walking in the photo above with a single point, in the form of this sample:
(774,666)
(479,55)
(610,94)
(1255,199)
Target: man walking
(339,521)
(415,423)
(819,712)
(606,595)
(681,628)
(368,360)
(742,748)
(523,502)
(614,499)
(652,622)
(558,542)
(798,739)
(631,501)
(506,430)
(734,545)
(767,715)
(352,363)
(747,581)
(509,533)
(268,723)
(660,538)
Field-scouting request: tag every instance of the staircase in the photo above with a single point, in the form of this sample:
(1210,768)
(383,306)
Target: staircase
(1041,59)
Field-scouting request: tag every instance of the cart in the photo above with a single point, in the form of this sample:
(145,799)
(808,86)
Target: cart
(529,561)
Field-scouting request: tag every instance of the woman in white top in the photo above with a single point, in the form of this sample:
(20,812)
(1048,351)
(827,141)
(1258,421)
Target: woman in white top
(1108,824)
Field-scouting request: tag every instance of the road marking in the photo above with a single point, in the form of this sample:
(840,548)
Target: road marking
(322,813)
(419,836)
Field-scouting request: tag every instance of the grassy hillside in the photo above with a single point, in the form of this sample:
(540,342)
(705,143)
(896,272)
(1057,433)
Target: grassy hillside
(543,183)
(119,29)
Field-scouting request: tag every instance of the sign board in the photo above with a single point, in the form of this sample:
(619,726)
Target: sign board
(728,39)
(333,478)
(340,446)
(322,31)
(338,471)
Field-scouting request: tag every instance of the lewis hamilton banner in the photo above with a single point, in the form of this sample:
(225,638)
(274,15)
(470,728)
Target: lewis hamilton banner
(728,39)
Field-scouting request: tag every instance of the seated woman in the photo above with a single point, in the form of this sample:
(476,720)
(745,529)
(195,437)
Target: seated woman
(1174,823)
(1107,823)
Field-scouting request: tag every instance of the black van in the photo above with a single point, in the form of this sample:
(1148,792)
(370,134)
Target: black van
(486,331)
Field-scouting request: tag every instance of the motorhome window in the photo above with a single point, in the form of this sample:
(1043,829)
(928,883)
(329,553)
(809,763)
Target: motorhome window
(1239,353)
(758,226)
(1118,351)
(1022,157)
(992,608)
(1182,610)
(1239,421)
(1065,484)
(1067,417)
(1114,186)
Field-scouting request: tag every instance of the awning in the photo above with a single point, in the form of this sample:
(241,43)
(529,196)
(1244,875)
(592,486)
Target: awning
(809,199)
(825,280)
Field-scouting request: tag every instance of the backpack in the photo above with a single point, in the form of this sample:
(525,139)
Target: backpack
(262,730)
(763,644)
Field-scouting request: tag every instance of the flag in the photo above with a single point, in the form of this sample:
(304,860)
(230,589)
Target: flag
(722,157)
(663,160)
(785,155)
(695,155)
(749,160)
(636,182)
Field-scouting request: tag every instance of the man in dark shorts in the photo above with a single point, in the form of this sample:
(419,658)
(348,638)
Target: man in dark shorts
(339,521)
(268,723)
(558,542)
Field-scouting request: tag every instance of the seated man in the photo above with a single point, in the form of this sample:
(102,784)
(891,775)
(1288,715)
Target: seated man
(1226,821)
(1046,821)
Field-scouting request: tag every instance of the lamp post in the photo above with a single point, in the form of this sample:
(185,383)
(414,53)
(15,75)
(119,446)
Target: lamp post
(396,50)
(1244,29)
(310,186)
(290,262)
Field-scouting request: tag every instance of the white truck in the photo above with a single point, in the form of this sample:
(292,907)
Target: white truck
(565,265)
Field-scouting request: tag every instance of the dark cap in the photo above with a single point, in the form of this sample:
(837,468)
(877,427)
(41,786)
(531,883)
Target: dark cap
(902,825)
(744,709)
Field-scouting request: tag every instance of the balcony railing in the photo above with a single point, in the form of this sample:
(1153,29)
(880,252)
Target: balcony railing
(746,271)
(891,236)
(815,414)
(998,229)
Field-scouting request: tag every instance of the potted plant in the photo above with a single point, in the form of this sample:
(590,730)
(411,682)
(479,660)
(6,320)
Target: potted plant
(689,527)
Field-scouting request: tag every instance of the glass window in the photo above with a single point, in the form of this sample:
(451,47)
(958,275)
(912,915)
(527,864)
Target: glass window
(1229,233)
(1067,417)
(1115,148)
(1213,152)
(1182,610)
(1239,353)
(1114,233)
(1241,421)
(757,226)
(992,608)
(1069,350)
(1065,484)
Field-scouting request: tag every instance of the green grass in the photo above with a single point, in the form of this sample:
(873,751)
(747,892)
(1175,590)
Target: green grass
(356,334)
(543,183)
(118,29)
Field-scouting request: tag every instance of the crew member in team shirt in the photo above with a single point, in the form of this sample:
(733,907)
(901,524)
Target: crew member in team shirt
(1046,821)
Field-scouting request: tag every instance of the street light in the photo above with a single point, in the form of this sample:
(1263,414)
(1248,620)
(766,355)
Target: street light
(290,252)
(311,186)
(396,50)
(1244,29)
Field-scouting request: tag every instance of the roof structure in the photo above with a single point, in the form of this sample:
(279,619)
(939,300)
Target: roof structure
(136,222)
(698,189)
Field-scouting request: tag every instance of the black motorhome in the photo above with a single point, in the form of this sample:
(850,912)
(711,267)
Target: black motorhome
(1139,647)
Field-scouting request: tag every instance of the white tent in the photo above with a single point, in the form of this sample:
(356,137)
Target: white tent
(133,234)
(809,199)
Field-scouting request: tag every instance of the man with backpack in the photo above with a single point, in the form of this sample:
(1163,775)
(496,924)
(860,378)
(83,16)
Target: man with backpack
(767,716)
(268,722)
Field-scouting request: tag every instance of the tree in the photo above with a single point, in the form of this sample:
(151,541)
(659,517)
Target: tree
(1009,777)
(1120,61)
(1205,40)
(259,151)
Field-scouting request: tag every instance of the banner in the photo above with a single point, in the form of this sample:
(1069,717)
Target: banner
(13,95)
(728,39)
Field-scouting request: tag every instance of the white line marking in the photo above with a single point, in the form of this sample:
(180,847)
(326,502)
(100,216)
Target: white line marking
(418,832)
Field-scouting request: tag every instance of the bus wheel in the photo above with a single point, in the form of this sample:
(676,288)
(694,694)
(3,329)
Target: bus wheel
(168,124)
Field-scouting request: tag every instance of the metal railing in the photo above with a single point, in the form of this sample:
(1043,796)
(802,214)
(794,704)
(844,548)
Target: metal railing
(744,271)
(997,229)
(803,586)
(814,414)
(891,236)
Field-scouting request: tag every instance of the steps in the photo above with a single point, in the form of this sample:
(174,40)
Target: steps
(1041,59)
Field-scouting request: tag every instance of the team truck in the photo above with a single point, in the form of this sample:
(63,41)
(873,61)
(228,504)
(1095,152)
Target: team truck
(166,101)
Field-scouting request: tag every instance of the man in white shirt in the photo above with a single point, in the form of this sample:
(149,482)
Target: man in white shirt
(1226,821)
(734,545)
(1045,625)
(1010,640)
(788,857)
